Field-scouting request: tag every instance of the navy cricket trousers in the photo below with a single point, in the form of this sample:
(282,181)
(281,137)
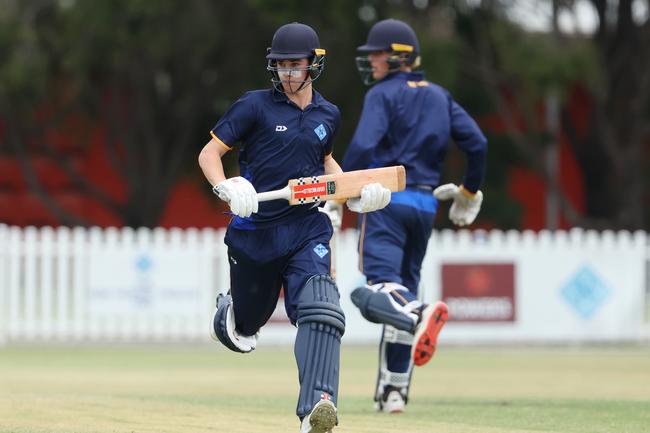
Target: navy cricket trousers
(264,260)
(393,241)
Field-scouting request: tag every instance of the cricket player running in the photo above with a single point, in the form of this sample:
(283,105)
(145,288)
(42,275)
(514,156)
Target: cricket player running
(286,132)
(409,121)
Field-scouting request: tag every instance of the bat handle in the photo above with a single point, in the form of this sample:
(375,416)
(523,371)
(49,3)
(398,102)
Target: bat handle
(284,193)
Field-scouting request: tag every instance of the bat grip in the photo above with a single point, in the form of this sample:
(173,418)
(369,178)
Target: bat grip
(284,193)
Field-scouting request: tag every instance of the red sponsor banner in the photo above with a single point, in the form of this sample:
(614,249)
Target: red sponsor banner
(479,292)
(313,190)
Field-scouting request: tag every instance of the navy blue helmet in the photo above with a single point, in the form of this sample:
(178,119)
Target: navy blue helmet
(291,42)
(395,37)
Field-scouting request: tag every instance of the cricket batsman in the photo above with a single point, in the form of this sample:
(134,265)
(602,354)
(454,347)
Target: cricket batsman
(286,132)
(406,120)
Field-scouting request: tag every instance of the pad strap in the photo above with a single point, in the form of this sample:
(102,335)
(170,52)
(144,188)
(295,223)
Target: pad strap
(394,335)
(400,380)
(322,312)
(386,304)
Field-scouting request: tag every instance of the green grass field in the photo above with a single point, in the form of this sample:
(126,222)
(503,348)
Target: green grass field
(205,389)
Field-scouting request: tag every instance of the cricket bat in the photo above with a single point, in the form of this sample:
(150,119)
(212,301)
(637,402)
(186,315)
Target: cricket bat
(337,186)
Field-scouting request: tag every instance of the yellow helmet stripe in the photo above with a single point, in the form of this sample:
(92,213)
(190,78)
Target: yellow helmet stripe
(402,47)
(319,52)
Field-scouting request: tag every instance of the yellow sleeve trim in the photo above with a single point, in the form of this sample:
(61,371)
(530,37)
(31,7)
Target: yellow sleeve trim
(466,192)
(218,140)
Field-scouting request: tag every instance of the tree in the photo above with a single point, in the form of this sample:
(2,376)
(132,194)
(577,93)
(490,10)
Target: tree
(614,154)
(519,69)
(147,71)
(152,75)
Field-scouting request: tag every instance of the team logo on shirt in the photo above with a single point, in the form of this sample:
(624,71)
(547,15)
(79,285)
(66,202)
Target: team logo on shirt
(320,250)
(320,132)
(280,128)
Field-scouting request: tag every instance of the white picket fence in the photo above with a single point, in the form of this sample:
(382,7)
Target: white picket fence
(66,285)
(47,292)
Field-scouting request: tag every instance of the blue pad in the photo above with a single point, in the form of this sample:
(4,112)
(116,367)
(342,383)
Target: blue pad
(321,324)
(389,303)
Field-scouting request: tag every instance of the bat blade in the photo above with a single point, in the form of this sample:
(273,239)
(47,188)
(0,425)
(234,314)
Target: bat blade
(344,185)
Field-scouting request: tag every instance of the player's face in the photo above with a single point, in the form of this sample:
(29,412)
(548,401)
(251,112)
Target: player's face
(293,73)
(379,64)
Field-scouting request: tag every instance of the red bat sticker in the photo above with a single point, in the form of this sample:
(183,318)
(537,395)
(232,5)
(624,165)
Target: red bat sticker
(313,190)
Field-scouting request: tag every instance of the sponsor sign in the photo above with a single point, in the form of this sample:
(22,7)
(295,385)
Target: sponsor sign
(479,292)
(160,282)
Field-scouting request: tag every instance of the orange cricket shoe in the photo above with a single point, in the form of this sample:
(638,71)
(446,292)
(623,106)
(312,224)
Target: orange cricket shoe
(434,318)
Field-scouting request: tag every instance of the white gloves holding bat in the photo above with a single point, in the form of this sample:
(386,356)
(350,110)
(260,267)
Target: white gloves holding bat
(239,193)
(466,205)
(374,196)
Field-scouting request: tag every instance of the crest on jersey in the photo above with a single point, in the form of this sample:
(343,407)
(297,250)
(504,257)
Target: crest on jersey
(321,250)
(280,128)
(320,132)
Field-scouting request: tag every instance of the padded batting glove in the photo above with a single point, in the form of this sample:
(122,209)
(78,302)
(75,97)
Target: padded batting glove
(466,204)
(240,195)
(334,211)
(374,196)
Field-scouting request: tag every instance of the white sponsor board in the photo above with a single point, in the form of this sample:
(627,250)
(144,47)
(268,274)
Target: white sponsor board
(570,286)
(143,282)
(160,285)
(4,281)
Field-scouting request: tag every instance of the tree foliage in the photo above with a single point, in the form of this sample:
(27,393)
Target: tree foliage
(519,69)
(156,75)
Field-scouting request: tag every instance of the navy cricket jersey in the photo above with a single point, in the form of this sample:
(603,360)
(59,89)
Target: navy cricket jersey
(279,142)
(408,121)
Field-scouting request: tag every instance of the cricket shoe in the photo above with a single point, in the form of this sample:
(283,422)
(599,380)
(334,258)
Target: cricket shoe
(321,419)
(433,319)
(392,401)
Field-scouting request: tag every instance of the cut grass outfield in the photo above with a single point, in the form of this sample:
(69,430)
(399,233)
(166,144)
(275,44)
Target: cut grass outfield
(204,389)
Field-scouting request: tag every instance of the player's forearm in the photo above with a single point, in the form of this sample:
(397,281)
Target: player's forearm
(210,163)
(331,166)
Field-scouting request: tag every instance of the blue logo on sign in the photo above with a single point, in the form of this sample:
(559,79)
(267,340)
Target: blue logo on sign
(320,250)
(143,263)
(585,292)
(320,131)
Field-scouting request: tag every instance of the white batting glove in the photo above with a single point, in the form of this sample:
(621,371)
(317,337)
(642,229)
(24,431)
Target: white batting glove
(334,211)
(240,194)
(373,197)
(466,205)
